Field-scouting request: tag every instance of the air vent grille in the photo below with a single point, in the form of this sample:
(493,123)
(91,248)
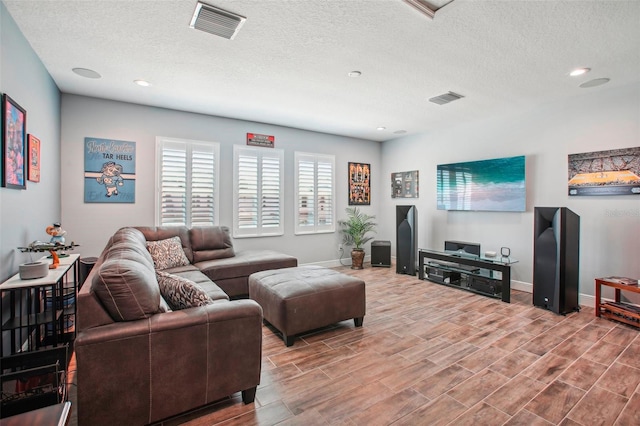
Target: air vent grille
(216,21)
(446,98)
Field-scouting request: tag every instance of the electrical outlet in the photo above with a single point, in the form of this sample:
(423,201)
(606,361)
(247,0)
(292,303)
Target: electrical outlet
(339,247)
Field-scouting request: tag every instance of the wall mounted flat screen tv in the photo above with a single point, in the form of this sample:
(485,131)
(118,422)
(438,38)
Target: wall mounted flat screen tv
(485,185)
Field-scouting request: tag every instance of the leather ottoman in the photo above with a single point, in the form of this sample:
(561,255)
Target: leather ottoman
(300,299)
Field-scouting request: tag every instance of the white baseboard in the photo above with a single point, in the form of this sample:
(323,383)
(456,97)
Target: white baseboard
(328,263)
(583,299)
(522,286)
(345,261)
(587,300)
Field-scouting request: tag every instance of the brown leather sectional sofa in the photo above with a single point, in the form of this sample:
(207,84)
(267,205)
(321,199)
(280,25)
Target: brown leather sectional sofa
(138,361)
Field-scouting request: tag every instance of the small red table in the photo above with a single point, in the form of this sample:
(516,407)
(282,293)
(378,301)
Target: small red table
(626,313)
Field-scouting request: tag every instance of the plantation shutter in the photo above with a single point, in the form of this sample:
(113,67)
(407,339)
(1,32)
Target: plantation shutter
(258,195)
(187,183)
(315,206)
(306,209)
(270,194)
(203,186)
(173,185)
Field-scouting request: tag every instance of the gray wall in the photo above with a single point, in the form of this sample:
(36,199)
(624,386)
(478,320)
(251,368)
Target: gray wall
(24,214)
(598,119)
(91,224)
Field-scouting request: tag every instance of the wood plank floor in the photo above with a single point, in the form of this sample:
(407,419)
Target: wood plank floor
(432,355)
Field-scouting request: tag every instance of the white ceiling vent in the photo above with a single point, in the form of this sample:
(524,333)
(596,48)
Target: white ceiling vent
(446,98)
(216,21)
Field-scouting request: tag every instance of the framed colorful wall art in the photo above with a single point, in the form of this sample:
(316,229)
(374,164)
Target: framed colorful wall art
(14,126)
(610,172)
(34,159)
(359,184)
(404,184)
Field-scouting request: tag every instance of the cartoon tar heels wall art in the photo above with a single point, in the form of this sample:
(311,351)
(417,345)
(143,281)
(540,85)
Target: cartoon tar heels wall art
(109,171)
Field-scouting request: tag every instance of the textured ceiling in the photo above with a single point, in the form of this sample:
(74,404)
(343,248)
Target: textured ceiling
(288,64)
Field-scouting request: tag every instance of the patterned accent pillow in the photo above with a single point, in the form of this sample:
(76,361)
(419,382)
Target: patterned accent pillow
(181,293)
(167,253)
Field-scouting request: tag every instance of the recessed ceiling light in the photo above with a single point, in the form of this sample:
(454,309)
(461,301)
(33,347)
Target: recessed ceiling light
(85,72)
(595,82)
(579,71)
(142,83)
(354,74)
(381,128)
(400,132)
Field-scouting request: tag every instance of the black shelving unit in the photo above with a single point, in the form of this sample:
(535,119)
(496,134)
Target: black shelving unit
(32,380)
(38,331)
(487,276)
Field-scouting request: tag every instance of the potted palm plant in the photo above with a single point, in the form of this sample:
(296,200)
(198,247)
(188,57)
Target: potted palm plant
(355,233)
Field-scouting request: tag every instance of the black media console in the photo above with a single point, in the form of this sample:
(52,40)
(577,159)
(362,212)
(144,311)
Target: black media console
(487,276)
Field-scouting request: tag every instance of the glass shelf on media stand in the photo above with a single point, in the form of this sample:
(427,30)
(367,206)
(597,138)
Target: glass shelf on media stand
(489,276)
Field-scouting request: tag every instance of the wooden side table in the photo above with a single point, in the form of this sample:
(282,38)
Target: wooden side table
(616,310)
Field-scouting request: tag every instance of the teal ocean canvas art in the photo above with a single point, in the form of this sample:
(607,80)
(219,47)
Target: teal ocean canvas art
(485,185)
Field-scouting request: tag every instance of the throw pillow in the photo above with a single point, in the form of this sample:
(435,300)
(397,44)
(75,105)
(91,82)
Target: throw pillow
(167,253)
(181,293)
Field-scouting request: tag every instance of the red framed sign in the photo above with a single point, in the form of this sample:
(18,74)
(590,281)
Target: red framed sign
(265,141)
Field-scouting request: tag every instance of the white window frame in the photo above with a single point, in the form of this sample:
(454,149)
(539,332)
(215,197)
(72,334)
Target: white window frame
(315,227)
(260,155)
(188,146)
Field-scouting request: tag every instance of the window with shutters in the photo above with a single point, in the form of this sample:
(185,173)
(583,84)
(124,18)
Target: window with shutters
(258,180)
(187,188)
(314,193)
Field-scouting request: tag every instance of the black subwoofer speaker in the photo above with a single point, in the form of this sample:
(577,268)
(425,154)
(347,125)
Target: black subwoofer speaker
(381,253)
(406,239)
(556,259)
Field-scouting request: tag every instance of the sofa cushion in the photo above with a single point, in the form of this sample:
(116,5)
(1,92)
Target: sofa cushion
(210,242)
(180,292)
(127,290)
(245,263)
(130,235)
(125,250)
(167,253)
(209,287)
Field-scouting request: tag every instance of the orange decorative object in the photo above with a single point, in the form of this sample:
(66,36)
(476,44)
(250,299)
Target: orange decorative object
(57,234)
(55,260)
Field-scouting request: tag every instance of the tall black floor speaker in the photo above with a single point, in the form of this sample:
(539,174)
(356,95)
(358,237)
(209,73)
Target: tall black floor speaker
(406,239)
(556,259)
